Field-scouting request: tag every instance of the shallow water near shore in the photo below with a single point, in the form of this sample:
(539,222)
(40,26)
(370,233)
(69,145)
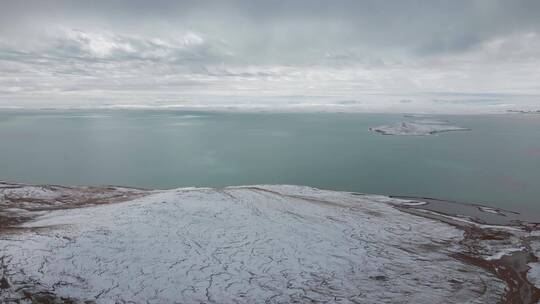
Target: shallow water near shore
(496,164)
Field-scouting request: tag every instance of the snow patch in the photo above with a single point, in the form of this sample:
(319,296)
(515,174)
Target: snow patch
(534,272)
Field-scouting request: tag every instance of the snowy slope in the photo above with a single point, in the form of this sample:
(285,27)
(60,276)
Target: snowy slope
(274,244)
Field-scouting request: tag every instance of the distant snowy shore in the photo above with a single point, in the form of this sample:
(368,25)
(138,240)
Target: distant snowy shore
(252,244)
(524,111)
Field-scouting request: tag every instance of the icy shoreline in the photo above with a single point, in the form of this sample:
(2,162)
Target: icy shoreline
(250,244)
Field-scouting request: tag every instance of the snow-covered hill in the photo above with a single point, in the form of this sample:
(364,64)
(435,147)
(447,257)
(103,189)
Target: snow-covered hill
(253,244)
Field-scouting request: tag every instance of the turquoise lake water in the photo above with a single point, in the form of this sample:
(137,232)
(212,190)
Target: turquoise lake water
(497,163)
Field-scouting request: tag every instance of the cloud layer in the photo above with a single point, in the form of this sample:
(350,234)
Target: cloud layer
(362,55)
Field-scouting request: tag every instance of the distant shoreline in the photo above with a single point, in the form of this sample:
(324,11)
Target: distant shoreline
(330,109)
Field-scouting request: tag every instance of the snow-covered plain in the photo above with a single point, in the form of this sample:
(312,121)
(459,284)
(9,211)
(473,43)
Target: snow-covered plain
(275,244)
(417,128)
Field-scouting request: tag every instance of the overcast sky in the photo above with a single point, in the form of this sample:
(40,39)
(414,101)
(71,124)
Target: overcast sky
(359,55)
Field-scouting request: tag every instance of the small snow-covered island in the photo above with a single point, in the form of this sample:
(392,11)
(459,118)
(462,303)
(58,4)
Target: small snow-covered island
(255,244)
(418,128)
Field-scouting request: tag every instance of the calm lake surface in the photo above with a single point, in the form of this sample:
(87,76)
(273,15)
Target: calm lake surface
(497,163)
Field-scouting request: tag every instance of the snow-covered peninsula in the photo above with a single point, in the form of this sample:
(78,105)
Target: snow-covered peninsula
(252,244)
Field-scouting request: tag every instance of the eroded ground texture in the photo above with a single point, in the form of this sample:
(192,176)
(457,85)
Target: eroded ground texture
(273,244)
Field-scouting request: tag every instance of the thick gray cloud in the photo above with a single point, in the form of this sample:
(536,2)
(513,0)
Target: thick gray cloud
(202,51)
